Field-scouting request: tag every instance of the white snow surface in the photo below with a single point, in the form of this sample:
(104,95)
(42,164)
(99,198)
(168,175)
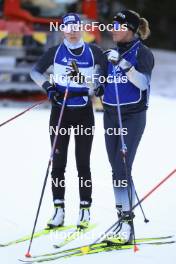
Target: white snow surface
(24,152)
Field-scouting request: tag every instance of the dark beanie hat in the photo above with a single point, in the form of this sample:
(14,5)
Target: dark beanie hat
(129,18)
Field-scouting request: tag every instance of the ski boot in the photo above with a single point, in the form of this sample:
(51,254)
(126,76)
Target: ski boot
(123,232)
(84,215)
(59,214)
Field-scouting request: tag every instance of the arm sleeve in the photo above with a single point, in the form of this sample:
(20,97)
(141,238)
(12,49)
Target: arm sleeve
(145,60)
(100,59)
(37,72)
(140,75)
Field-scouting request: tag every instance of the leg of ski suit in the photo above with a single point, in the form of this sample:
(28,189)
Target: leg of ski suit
(84,118)
(135,124)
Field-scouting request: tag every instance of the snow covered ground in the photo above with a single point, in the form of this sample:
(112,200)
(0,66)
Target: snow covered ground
(24,153)
(163,79)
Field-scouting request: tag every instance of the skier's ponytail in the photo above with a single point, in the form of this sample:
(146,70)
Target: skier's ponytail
(143,30)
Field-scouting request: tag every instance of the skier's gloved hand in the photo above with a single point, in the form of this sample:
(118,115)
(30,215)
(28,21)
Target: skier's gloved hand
(125,65)
(99,91)
(113,56)
(129,61)
(52,93)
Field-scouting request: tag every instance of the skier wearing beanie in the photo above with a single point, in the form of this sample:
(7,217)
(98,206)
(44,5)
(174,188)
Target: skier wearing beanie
(78,112)
(133,63)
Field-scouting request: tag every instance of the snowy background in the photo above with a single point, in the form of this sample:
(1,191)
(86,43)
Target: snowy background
(24,153)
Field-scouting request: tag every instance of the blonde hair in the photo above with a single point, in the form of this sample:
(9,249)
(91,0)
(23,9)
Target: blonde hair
(143,29)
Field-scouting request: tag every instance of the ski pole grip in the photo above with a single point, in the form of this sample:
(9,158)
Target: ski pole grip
(75,67)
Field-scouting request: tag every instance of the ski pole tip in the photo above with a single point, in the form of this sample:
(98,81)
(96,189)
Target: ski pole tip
(85,250)
(28,255)
(136,248)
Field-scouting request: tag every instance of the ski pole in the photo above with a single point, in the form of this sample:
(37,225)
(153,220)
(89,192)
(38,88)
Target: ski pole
(124,152)
(137,204)
(22,113)
(48,168)
(124,147)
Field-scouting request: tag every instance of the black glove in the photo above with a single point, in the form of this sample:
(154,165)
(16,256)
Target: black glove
(53,94)
(99,91)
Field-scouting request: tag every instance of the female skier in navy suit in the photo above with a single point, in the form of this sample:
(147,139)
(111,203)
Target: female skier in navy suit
(77,113)
(133,63)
